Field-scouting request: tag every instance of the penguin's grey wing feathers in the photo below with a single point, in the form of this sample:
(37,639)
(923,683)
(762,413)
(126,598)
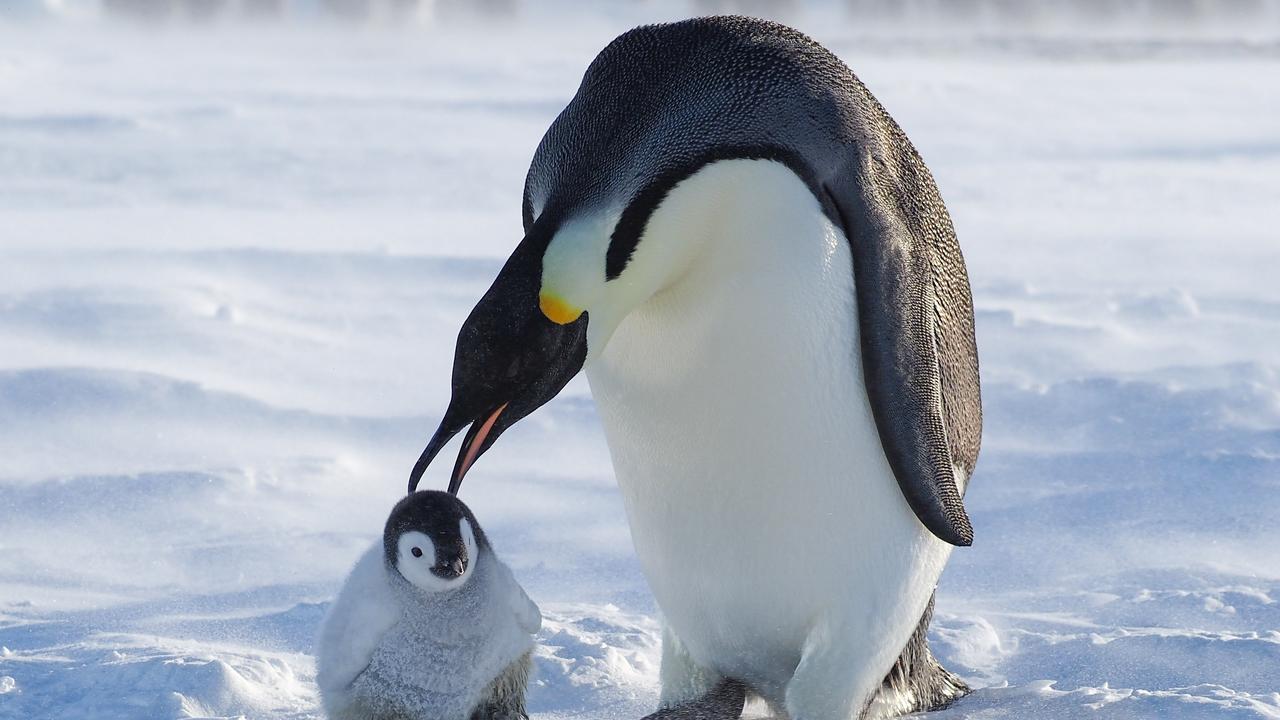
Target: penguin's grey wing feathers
(898,309)
(528,616)
(527,613)
(360,616)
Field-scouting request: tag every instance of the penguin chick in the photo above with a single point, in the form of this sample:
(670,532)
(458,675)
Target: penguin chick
(429,625)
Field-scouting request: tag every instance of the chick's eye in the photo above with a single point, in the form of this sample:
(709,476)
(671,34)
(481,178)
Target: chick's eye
(417,552)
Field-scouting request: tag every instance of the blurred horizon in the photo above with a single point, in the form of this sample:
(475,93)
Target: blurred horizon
(1248,19)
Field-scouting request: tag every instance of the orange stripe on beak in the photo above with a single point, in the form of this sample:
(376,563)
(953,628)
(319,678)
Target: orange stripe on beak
(474,448)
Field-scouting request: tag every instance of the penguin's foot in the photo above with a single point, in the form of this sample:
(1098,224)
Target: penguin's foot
(724,701)
(925,686)
(917,682)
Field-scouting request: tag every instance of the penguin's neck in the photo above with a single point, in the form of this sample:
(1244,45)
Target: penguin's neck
(762,305)
(456,614)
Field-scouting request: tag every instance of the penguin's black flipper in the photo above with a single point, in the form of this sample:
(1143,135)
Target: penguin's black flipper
(921,382)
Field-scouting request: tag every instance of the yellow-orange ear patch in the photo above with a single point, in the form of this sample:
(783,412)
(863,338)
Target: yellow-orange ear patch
(557,310)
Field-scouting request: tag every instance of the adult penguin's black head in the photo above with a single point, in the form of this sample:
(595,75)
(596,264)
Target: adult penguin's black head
(657,105)
(511,358)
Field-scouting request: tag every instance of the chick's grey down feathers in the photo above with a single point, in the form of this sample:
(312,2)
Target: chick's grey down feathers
(461,653)
(447,653)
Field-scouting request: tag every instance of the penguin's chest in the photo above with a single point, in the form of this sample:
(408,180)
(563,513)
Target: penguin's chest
(419,671)
(755,484)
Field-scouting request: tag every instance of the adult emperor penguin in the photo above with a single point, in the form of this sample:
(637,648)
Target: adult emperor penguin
(757,272)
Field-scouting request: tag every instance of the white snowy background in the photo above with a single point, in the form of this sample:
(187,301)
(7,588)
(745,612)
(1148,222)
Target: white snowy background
(233,261)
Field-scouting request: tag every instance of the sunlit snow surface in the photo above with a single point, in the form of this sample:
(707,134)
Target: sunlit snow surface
(232,267)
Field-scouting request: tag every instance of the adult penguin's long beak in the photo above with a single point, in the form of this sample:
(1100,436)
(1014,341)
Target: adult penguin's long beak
(476,441)
(510,360)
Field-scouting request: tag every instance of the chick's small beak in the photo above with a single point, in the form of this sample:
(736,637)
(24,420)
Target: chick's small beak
(450,570)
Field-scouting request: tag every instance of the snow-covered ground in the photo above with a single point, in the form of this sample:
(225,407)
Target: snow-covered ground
(232,267)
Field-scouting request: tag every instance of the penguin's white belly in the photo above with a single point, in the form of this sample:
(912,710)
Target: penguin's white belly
(762,507)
